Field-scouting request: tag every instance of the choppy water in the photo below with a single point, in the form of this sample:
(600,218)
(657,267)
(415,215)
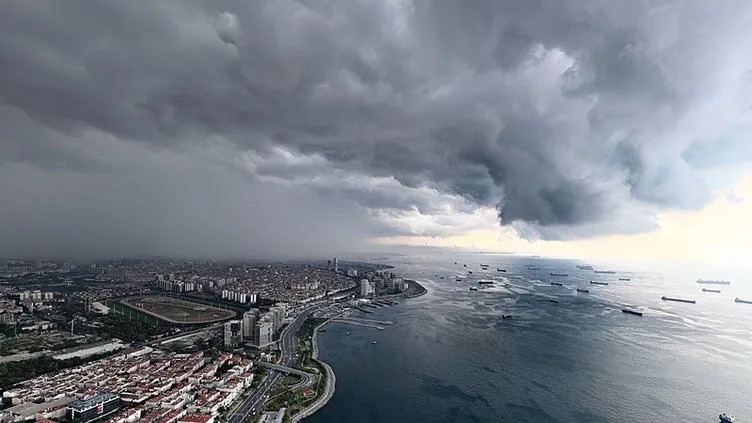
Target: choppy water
(452,358)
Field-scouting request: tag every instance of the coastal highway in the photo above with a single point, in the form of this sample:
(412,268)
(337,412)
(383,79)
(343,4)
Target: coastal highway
(288,344)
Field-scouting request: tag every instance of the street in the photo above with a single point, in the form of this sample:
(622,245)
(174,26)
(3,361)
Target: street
(288,344)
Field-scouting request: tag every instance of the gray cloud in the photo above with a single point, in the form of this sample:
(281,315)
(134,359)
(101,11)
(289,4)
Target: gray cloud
(571,119)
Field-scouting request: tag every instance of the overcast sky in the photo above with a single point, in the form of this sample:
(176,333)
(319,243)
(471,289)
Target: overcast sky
(271,128)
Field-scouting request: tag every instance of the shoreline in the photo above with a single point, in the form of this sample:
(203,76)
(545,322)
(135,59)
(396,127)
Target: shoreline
(331,379)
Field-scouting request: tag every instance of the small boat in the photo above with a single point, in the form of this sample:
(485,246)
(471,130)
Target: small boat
(464,265)
(347,333)
(506,316)
(472,288)
(717,291)
(739,300)
(584,291)
(470,272)
(630,311)
(322,330)
(441,277)
(724,418)
(624,279)
(455,262)
(373,342)
(557,283)
(501,270)
(379,327)
(554,301)
(458,280)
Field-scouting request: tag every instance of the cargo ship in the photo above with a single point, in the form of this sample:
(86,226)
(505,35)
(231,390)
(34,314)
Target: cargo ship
(630,311)
(717,291)
(558,274)
(584,291)
(678,300)
(485,282)
(598,283)
(625,279)
(739,300)
(607,272)
(472,288)
(713,282)
(483,265)
(556,283)
(581,267)
(501,270)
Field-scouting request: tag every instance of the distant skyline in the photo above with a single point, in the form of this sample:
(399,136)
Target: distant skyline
(305,128)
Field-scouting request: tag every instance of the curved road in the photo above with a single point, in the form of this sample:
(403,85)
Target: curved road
(288,344)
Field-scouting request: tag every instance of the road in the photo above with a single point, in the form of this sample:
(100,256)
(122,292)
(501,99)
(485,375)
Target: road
(288,345)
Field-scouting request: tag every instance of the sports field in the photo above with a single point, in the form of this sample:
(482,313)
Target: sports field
(175,310)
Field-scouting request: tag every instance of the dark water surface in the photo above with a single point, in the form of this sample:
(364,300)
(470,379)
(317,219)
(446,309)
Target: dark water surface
(451,357)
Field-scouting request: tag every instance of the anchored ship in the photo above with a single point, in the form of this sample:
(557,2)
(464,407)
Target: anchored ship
(624,279)
(556,283)
(558,274)
(584,291)
(717,291)
(630,311)
(598,283)
(739,300)
(533,268)
(607,272)
(678,300)
(713,282)
(585,267)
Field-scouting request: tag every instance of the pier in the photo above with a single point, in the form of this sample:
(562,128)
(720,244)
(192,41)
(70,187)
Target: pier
(375,324)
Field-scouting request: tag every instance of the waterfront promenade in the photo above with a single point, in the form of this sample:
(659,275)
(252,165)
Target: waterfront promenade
(330,380)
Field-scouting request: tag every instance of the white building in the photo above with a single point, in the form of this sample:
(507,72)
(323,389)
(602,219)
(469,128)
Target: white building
(366,288)
(264,330)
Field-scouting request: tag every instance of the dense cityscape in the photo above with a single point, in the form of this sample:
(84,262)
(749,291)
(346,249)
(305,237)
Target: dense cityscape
(161,340)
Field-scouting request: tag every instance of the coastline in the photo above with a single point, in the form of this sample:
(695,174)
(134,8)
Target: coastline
(330,379)
(330,376)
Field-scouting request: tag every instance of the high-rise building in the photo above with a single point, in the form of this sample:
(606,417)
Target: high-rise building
(249,323)
(336,268)
(233,333)
(328,265)
(279,312)
(264,330)
(366,288)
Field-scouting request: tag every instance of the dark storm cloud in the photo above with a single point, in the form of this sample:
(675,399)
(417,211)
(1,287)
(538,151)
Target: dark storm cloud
(555,113)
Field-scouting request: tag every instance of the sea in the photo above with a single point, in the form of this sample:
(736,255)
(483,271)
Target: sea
(450,356)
